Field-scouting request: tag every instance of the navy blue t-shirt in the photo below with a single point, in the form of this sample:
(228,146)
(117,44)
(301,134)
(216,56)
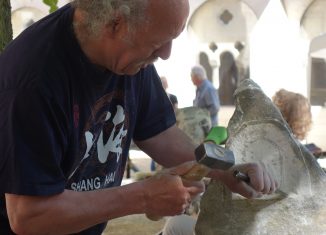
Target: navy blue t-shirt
(66,123)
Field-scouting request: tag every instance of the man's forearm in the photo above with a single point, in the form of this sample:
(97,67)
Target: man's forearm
(170,148)
(70,211)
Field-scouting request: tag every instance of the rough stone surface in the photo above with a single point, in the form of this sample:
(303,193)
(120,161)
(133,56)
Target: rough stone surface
(195,122)
(258,133)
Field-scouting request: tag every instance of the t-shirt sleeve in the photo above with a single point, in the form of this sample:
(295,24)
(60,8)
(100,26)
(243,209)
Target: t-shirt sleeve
(32,143)
(155,113)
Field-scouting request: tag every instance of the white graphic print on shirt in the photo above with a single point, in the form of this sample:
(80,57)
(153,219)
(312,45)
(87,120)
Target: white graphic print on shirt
(102,158)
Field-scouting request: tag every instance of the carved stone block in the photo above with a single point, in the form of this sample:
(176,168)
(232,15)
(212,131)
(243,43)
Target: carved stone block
(258,133)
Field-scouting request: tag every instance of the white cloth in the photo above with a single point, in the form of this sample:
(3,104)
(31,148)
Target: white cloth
(180,225)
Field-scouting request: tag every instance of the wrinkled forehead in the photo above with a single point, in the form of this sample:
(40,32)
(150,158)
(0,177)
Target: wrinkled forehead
(169,13)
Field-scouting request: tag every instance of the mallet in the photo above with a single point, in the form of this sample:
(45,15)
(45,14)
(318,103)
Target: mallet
(209,155)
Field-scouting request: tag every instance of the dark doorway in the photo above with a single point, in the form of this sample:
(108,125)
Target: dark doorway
(318,82)
(228,77)
(204,61)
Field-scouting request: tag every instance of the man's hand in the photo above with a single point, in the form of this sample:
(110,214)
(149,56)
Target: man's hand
(261,181)
(167,194)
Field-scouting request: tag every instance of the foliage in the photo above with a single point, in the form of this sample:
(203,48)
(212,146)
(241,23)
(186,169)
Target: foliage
(5,24)
(53,4)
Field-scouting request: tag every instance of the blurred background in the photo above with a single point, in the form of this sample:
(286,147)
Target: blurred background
(277,43)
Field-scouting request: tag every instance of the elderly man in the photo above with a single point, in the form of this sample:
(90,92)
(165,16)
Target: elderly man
(76,87)
(206,94)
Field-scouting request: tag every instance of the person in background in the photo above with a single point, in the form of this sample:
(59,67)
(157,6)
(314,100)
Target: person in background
(296,111)
(173,98)
(75,88)
(206,94)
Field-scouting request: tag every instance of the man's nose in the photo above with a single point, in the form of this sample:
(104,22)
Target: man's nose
(164,52)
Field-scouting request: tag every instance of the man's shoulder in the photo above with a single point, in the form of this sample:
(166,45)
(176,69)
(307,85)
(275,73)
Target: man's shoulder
(208,86)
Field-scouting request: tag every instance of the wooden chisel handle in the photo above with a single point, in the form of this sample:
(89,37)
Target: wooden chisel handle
(196,173)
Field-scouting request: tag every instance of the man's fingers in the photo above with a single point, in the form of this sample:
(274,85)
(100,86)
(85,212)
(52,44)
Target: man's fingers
(256,176)
(264,181)
(267,183)
(247,191)
(261,181)
(274,185)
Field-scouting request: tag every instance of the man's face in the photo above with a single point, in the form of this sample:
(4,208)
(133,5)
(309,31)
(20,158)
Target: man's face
(136,50)
(142,49)
(195,80)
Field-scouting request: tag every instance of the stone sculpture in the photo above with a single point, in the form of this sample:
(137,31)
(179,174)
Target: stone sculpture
(195,122)
(258,133)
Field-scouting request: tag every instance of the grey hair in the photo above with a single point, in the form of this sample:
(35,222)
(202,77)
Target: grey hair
(199,71)
(98,13)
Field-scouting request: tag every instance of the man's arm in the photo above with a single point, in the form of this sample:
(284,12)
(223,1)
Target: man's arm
(172,147)
(163,194)
(212,101)
(169,148)
(71,212)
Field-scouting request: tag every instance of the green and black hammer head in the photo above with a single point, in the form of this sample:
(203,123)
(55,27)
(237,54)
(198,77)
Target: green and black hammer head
(214,156)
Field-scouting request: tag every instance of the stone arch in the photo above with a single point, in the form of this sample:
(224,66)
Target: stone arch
(25,12)
(313,22)
(229,21)
(224,23)
(23,17)
(296,9)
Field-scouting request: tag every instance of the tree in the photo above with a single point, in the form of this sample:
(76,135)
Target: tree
(5,20)
(5,24)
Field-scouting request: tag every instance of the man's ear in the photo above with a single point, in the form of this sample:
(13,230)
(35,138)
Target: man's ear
(116,26)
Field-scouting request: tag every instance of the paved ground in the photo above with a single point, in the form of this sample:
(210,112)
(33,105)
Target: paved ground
(134,225)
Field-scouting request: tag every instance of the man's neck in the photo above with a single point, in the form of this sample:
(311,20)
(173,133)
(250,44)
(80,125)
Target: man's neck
(88,44)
